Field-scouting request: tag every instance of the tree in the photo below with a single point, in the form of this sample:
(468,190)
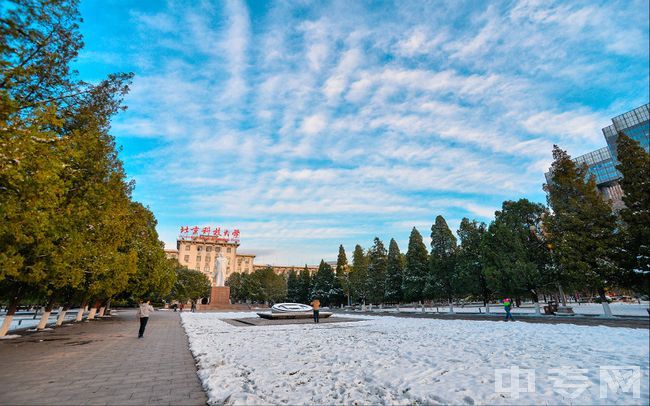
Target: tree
(470,261)
(516,255)
(323,284)
(376,271)
(274,286)
(394,271)
(155,274)
(44,112)
(293,287)
(342,276)
(415,269)
(442,280)
(359,275)
(634,165)
(38,40)
(304,285)
(582,229)
(190,285)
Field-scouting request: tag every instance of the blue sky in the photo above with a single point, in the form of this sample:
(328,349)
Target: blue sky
(309,124)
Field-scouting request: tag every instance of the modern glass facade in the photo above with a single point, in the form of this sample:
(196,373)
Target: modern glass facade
(602,162)
(635,124)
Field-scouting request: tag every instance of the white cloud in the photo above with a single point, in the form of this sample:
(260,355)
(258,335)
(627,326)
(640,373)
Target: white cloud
(366,120)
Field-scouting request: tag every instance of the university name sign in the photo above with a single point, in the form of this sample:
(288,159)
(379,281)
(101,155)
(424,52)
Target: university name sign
(208,234)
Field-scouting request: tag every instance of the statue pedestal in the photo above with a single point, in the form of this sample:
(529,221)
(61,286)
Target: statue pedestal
(220,296)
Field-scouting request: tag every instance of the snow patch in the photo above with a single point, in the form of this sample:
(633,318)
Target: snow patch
(391,360)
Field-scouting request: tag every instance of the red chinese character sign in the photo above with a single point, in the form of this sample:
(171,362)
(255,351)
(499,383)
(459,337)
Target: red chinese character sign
(208,233)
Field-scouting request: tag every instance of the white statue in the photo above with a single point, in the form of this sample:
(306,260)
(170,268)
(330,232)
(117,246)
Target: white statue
(220,265)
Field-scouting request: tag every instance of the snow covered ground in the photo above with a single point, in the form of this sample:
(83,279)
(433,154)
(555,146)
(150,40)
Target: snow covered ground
(391,360)
(618,309)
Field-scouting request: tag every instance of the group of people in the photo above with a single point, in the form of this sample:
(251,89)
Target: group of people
(181,306)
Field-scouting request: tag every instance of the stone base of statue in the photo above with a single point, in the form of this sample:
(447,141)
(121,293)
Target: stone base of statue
(220,296)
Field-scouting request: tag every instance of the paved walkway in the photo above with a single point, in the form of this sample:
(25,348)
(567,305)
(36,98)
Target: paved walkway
(102,363)
(581,320)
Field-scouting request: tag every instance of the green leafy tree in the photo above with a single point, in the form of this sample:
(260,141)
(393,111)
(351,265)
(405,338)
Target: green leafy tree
(359,275)
(44,112)
(394,272)
(470,261)
(416,268)
(274,286)
(155,274)
(190,285)
(634,165)
(442,280)
(582,229)
(377,262)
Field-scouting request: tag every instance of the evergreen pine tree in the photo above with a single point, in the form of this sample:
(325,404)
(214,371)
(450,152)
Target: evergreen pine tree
(376,271)
(582,229)
(342,276)
(634,165)
(293,287)
(304,286)
(323,284)
(359,275)
(442,279)
(470,260)
(415,268)
(517,259)
(394,271)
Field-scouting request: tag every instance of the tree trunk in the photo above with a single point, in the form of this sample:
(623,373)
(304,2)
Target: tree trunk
(93,310)
(11,310)
(533,295)
(487,308)
(605,303)
(62,311)
(46,315)
(562,297)
(108,307)
(82,309)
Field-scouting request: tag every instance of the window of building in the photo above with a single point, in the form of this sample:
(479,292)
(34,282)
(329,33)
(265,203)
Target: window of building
(199,248)
(187,258)
(208,249)
(217,249)
(198,258)
(206,269)
(228,249)
(247,260)
(187,247)
(207,258)
(198,267)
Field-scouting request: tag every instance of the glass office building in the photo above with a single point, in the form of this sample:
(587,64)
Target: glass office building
(635,124)
(602,162)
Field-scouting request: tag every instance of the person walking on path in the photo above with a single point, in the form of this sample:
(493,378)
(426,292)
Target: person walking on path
(315,304)
(193,306)
(144,310)
(182,305)
(507,305)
